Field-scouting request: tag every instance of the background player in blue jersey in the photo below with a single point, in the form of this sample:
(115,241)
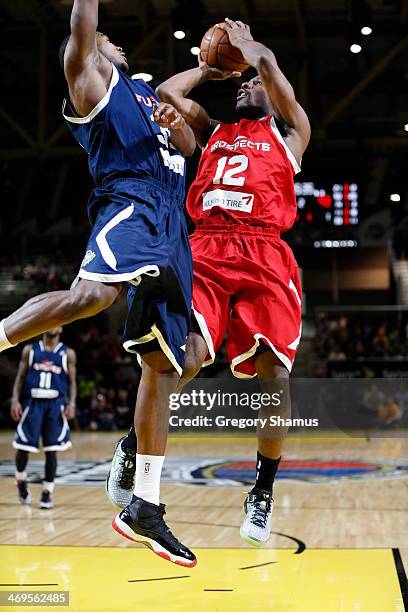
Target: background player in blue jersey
(135,156)
(44,396)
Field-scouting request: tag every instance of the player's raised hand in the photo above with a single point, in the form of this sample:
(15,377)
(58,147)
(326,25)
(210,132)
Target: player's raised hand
(238,32)
(16,411)
(215,74)
(167,116)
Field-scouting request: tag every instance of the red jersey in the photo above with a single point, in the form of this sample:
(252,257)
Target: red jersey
(245,176)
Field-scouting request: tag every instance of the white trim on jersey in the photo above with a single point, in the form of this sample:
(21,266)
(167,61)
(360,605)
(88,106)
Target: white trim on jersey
(64,358)
(25,447)
(292,286)
(206,335)
(244,356)
(40,342)
(289,153)
(100,106)
(57,348)
(58,447)
(19,426)
(65,426)
(37,393)
(101,240)
(31,358)
(132,277)
(156,333)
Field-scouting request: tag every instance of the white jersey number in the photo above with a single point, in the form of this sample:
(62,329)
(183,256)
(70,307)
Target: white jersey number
(45,380)
(239,165)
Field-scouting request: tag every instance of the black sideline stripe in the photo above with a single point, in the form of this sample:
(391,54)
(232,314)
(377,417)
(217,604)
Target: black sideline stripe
(402,577)
(151,579)
(259,565)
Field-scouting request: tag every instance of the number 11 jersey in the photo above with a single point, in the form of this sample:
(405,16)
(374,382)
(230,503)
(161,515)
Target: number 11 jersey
(245,177)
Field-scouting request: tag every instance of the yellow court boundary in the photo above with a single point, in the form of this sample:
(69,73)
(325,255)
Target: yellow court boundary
(128,579)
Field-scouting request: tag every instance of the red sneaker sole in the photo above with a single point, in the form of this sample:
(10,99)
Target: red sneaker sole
(163,555)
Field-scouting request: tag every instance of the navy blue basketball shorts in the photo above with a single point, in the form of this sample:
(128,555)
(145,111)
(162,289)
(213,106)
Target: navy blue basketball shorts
(140,236)
(43,418)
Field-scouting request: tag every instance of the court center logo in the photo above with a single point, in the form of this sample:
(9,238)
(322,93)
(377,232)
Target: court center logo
(242,471)
(221,472)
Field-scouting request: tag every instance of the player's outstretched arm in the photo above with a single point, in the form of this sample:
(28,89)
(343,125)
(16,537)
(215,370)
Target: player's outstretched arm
(16,408)
(176,89)
(279,89)
(87,71)
(71,364)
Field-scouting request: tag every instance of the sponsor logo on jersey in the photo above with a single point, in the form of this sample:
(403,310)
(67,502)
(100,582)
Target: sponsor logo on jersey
(240,142)
(229,200)
(147,101)
(89,256)
(47,366)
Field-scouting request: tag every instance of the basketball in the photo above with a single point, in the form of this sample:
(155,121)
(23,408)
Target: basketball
(217,51)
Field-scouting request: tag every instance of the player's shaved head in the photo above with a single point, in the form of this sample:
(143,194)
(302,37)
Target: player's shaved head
(113,53)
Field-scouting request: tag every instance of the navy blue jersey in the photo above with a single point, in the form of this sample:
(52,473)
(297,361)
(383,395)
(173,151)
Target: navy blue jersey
(123,141)
(47,374)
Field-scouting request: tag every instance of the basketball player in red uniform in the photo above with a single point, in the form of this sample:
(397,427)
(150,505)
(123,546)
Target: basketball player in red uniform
(246,278)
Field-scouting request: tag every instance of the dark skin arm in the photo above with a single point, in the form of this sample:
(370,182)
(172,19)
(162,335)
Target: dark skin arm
(279,90)
(87,71)
(181,134)
(71,364)
(176,89)
(16,408)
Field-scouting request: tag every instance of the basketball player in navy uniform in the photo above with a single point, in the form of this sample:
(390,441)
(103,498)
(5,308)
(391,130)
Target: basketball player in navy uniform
(46,385)
(136,149)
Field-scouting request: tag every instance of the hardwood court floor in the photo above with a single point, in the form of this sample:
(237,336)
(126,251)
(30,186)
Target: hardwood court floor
(349,528)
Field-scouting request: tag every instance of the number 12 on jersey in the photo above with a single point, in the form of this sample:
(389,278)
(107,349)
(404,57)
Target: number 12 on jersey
(228,176)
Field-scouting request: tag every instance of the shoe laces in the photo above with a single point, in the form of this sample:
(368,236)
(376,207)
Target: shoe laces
(260,508)
(166,528)
(128,471)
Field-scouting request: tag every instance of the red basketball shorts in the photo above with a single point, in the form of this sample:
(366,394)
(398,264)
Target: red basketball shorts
(246,283)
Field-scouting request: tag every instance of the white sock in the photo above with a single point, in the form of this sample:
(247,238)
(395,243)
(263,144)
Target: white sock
(21,475)
(147,478)
(4,341)
(48,486)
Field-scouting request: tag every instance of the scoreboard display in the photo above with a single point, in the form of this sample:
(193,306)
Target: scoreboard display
(334,205)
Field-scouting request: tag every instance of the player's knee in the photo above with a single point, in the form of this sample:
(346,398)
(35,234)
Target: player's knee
(158,363)
(196,352)
(192,366)
(269,366)
(90,297)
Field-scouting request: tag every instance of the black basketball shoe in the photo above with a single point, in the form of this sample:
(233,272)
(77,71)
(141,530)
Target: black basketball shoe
(143,522)
(46,502)
(24,493)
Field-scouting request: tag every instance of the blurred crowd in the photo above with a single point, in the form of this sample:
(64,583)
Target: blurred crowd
(360,336)
(48,276)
